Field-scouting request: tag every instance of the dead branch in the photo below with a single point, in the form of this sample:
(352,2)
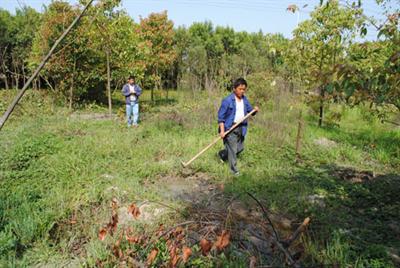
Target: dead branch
(265,215)
(298,231)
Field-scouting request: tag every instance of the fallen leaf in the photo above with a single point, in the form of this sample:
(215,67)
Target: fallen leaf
(186,253)
(133,239)
(134,210)
(253,262)
(160,230)
(222,240)
(117,251)
(102,234)
(117,247)
(205,246)
(152,256)
(73,219)
(172,251)
(178,230)
(112,225)
(174,261)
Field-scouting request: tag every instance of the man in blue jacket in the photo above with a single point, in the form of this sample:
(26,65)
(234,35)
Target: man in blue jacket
(233,109)
(132,91)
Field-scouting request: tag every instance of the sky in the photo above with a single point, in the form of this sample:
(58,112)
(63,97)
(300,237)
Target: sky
(270,16)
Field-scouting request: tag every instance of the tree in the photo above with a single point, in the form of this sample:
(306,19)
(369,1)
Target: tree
(25,24)
(373,70)
(70,65)
(157,32)
(321,43)
(5,44)
(105,24)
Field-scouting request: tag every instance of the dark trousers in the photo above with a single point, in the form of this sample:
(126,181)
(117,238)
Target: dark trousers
(233,147)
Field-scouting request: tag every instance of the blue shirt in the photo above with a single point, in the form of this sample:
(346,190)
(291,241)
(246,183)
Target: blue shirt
(227,111)
(127,93)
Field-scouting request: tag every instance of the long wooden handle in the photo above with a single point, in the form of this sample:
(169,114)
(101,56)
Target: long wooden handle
(217,139)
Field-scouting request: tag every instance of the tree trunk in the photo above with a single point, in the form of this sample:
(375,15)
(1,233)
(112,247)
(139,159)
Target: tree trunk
(109,82)
(321,93)
(23,73)
(321,106)
(298,138)
(5,81)
(16,76)
(71,89)
(4,69)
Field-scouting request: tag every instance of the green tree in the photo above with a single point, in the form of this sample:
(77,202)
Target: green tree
(157,32)
(5,44)
(69,67)
(321,43)
(373,70)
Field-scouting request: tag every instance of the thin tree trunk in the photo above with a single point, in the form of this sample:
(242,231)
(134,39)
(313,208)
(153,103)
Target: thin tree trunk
(5,81)
(321,106)
(298,138)
(71,89)
(4,68)
(109,82)
(10,109)
(16,76)
(23,73)
(322,94)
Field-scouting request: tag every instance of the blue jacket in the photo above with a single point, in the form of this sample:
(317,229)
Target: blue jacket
(126,92)
(226,113)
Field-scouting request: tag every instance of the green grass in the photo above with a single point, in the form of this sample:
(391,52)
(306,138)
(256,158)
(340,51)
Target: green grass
(55,166)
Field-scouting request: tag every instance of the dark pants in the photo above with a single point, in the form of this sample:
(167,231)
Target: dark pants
(233,147)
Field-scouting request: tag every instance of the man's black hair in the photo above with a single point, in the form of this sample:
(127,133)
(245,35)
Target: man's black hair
(238,82)
(131,77)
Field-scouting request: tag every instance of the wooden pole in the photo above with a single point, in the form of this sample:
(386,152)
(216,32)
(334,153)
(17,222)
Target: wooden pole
(217,139)
(10,108)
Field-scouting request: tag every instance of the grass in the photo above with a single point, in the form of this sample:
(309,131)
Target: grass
(56,168)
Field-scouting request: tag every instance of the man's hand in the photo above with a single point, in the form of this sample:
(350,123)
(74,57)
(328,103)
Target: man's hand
(222,134)
(256,108)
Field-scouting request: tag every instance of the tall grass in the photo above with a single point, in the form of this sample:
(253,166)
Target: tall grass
(56,166)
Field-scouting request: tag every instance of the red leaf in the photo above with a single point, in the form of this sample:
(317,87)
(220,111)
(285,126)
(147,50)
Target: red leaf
(160,230)
(178,230)
(134,210)
(222,240)
(102,234)
(173,250)
(133,239)
(205,246)
(186,253)
(73,219)
(117,251)
(112,225)
(151,257)
(174,261)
